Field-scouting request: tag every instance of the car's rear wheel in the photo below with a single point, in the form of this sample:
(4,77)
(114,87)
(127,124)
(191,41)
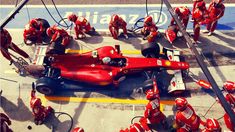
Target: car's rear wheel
(150,50)
(46,85)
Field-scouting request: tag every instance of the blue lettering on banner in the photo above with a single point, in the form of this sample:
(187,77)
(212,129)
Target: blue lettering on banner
(99,17)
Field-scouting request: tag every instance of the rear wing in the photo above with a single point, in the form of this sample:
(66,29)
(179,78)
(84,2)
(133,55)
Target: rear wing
(39,54)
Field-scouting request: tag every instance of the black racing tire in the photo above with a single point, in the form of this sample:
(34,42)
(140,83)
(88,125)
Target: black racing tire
(150,50)
(47,85)
(148,84)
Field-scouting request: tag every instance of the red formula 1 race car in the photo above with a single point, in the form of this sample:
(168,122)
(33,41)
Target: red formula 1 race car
(101,67)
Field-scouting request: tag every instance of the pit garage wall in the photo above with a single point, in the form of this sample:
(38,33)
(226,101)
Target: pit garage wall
(99,15)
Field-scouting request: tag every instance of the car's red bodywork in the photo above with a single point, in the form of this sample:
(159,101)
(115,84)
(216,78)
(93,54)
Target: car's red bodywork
(91,69)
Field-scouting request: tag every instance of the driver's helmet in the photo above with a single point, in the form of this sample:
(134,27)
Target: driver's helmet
(106,60)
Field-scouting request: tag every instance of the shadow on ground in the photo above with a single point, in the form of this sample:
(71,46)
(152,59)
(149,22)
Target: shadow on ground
(19,112)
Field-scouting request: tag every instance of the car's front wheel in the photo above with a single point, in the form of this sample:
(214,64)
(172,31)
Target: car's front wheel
(150,50)
(47,85)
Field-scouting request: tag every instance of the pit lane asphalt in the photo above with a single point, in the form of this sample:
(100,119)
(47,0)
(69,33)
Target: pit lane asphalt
(107,117)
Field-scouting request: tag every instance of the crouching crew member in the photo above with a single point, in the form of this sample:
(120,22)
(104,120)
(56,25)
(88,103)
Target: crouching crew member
(40,112)
(212,125)
(186,119)
(149,30)
(115,24)
(59,36)
(82,26)
(183,13)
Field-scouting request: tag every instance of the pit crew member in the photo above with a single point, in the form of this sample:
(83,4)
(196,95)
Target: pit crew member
(216,11)
(183,13)
(136,127)
(229,86)
(149,30)
(40,112)
(59,35)
(152,114)
(186,119)
(211,125)
(82,26)
(6,43)
(115,24)
(199,14)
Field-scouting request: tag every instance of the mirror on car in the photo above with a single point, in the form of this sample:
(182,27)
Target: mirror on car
(94,54)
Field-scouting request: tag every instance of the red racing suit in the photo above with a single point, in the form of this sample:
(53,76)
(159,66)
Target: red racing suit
(61,33)
(153,113)
(32,34)
(150,32)
(201,6)
(35,23)
(114,27)
(184,18)
(215,13)
(187,120)
(82,26)
(6,43)
(4,122)
(40,112)
(231,100)
(136,127)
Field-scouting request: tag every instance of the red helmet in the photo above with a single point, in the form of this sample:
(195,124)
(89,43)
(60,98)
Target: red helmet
(34,23)
(148,19)
(184,10)
(72,17)
(50,31)
(201,5)
(35,102)
(150,95)
(136,128)
(197,14)
(213,125)
(229,86)
(115,18)
(78,129)
(181,103)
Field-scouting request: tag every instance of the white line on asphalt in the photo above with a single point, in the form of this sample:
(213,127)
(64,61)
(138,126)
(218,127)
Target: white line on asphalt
(109,5)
